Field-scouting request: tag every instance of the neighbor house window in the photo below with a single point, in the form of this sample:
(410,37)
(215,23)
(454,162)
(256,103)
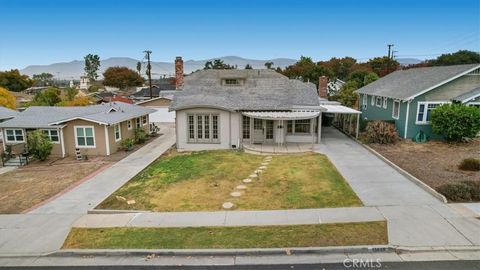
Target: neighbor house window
(245,127)
(52,135)
(144,120)
(118,132)
(378,101)
(385,102)
(137,123)
(298,126)
(396,109)
(372,101)
(84,137)
(424,111)
(365,101)
(129,124)
(14,135)
(202,128)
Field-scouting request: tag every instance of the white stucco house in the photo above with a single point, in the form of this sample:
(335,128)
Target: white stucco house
(232,109)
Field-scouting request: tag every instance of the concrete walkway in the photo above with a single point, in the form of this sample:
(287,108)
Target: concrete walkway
(44,229)
(415,218)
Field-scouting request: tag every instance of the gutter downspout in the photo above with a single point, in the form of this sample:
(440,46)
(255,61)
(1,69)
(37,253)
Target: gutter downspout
(107,141)
(60,130)
(406,120)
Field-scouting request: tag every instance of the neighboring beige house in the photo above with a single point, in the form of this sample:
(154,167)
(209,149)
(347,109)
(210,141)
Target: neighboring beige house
(160,104)
(94,130)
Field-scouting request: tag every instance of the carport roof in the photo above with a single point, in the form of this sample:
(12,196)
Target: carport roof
(340,109)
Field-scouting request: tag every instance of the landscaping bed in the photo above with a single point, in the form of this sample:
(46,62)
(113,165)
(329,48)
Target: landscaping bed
(348,234)
(435,162)
(203,181)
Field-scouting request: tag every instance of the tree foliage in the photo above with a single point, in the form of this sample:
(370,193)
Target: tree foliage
(121,77)
(43,79)
(47,97)
(383,65)
(7,99)
(458,58)
(248,66)
(139,67)
(218,64)
(14,81)
(39,144)
(306,70)
(456,121)
(92,65)
(269,64)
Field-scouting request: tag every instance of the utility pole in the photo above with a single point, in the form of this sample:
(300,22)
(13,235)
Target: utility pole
(149,72)
(389,57)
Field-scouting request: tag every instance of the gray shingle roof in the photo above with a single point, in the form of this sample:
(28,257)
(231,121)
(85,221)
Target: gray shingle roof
(468,96)
(44,116)
(6,113)
(262,90)
(404,84)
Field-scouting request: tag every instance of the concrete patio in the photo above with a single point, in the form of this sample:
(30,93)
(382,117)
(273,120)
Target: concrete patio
(275,148)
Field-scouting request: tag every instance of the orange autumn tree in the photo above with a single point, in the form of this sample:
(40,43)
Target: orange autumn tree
(7,99)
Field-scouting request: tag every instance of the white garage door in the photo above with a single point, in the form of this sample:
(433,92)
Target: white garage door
(162,115)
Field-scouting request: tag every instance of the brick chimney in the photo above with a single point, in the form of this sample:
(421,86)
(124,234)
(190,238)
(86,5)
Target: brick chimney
(178,73)
(322,87)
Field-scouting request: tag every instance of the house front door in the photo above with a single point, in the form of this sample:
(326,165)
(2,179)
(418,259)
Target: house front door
(258,131)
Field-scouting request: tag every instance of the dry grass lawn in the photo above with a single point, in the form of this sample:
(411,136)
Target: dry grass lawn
(203,181)
(348,234)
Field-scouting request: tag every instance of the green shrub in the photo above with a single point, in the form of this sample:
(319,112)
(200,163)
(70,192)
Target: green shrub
(127,144)
(39,144)
(456,121)
(381,132)
(139,135)
(461,192)
(470,164)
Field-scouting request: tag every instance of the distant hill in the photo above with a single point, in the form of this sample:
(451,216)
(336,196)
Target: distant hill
(74,69)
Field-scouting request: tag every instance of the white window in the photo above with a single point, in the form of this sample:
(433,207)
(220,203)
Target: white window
(378,101)
(137,123)
(372,101)
(298,126)
(232,82)
(84,137)
(203,128)
(129,124)
(52,135)
(246,127)
(365,101)
(118,132)
(385,102)
(14,135)
(396,109)
(424,111)
(144,120)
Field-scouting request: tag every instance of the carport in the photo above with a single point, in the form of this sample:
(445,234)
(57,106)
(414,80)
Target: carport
(344,114)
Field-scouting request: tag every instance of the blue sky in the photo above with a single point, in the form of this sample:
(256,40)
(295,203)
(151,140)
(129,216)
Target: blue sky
(48,31)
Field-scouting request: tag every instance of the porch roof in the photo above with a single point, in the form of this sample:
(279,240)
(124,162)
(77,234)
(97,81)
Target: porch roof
(340,109)
(275,115)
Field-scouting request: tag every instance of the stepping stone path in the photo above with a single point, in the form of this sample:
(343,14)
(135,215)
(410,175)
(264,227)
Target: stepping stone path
(241,187)
(264,164)
(262,167)
(236,194)
(253,175)
(227,205)
(258,171)
(247,180)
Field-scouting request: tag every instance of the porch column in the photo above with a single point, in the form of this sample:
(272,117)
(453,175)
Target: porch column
(350,123)
(107,141)
(358,125)
(60,130)
(319,128)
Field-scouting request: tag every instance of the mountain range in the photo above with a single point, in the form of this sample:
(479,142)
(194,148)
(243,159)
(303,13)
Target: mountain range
(74,69)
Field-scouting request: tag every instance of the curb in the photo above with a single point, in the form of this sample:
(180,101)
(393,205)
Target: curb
(224,252)
(111,211)
(410,177)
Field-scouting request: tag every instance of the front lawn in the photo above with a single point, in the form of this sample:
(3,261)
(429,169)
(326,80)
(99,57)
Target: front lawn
(202,181)
(349,234)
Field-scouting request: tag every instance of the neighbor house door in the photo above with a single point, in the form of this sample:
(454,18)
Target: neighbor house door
(258,131)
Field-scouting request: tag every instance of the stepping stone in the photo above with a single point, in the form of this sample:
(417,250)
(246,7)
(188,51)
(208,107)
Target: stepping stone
(253,175)
(131,202)
(258,171)
(262,167)
(269,157)
(264,164)
(247,180)
(120,198)
(241,187)
(227,205)
(236,194)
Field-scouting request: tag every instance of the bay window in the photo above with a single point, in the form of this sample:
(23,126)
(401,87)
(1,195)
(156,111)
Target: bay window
(203,128)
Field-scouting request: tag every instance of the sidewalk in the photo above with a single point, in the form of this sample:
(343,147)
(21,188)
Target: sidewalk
(44,229)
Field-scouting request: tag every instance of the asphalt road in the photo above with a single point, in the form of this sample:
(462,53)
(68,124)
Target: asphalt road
(443,265)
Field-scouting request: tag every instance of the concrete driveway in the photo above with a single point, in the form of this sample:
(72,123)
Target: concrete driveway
(44,229)
(415,217)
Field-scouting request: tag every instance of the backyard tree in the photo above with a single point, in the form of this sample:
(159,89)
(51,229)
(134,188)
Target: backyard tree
(14,81)
(121,77)
(7,99)
(39,145)
(92,64)
(248,66)
(268,64)
(458,58)
(456,121)
(43,79)
(48,97)
(139,67)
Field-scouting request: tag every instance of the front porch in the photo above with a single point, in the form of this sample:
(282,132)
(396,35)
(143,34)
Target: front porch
(275,148)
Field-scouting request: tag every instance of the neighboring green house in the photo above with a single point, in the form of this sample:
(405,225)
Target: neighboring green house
(408,96)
